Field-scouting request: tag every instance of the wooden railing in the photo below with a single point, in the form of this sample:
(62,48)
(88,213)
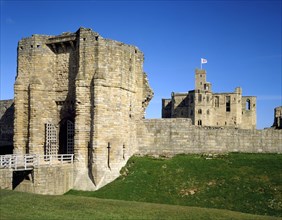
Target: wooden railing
(29,161)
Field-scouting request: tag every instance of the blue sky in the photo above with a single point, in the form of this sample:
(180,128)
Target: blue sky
(240,39)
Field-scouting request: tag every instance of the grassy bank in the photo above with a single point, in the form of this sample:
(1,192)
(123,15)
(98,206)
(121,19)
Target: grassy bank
(17,205)
(249,183)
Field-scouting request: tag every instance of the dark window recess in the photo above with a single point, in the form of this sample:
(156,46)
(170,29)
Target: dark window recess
(216,101)
(228,104)
(200,98)
(200,122)
(109,155)
(248,104)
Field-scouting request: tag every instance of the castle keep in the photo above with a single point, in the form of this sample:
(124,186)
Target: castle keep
(206,108)
(78,93)
(78,116)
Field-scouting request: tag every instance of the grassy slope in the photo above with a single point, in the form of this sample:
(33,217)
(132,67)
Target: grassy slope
(17,205)
(250,183)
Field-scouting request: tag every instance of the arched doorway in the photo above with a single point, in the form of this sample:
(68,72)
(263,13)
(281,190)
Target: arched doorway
(66,137)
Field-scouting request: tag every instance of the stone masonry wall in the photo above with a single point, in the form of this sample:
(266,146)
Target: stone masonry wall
(6,122)
(175,136)
(52,180)
(110,77)
(6,179)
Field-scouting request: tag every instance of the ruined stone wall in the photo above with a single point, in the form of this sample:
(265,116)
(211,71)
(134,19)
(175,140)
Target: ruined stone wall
(249,119)
(220,116)
(176,136)
(6,125)
(277,118)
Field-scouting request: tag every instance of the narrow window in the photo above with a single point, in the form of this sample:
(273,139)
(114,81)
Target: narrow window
(200,122)
(200,111)
(216,101)
(109,154)
(208,112)
(248,104)
(228,104)
(123,152)
(200,98)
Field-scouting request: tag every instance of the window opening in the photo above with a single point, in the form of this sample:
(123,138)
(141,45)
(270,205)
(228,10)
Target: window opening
(109,154)
(123,152)
(200,97)
(248,104)
(200,111)
(216,101)
(228,104)
(200,122)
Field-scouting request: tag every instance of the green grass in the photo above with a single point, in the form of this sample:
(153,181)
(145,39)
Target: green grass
(249,183)
(18,205)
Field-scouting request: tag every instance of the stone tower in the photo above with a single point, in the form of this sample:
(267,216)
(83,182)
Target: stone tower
(78,93)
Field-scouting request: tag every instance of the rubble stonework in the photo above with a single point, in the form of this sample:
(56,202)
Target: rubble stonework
(206,108)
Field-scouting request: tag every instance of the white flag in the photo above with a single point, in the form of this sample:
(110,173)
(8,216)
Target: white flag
(203,60)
